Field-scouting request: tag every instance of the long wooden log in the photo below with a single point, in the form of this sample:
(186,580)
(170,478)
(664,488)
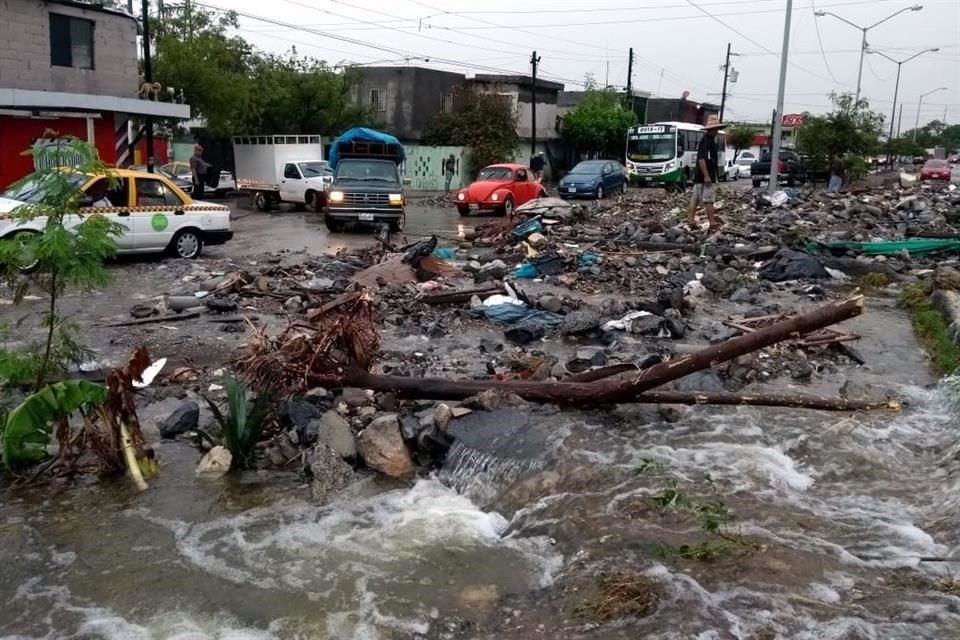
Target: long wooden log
(607,390)
(796,400)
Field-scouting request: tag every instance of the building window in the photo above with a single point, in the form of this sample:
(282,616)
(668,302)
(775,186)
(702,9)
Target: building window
(378,100)
(71,42)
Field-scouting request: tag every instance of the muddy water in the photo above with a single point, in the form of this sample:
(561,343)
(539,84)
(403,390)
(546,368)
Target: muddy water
(839,517)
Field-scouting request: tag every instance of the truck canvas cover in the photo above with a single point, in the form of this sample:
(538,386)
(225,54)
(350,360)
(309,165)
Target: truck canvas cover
(361,142)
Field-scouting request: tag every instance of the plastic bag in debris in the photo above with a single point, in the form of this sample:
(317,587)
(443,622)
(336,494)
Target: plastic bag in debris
(444,253)
(525,270)
(429,285)
(499,299)
(524,229)
(694,288)
(548,264)
(586,259)
(624,323)
(512,313)
(792,265)
(778,199)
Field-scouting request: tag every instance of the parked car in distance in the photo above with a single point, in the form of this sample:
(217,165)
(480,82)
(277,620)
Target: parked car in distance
(181,171)
(791,168)
(500,188)
(935,170)
(155,214)
(731,171)
(744,161)
(593,179)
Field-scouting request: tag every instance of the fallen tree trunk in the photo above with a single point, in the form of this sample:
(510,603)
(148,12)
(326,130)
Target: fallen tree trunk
(605,390)
(796,400)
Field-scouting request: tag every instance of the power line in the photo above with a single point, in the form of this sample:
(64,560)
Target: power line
(752,41)
(816,23)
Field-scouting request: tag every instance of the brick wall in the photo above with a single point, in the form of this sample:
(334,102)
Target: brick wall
(25,51)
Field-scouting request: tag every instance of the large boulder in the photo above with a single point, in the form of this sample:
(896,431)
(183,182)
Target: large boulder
(381,447)
(946,278)
(184,418)
(335,432)
(328,471)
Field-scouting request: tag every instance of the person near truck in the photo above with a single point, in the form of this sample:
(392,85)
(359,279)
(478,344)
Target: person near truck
(705,174)
(836,175)
(198,169)
(449,169)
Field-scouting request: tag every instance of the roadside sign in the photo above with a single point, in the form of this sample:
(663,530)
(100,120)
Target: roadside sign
(793,119)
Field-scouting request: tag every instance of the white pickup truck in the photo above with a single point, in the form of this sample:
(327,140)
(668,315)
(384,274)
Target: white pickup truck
(275,169)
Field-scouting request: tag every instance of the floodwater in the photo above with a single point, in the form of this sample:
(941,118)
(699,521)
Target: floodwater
(843,515)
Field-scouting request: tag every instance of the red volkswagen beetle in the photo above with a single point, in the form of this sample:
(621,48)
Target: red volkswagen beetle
(501,188)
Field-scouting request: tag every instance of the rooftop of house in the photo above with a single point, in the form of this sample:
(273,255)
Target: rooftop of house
(523,81)
(92,6)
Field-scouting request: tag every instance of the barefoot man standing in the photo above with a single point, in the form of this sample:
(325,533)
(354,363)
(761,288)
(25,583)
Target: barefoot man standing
(705,174)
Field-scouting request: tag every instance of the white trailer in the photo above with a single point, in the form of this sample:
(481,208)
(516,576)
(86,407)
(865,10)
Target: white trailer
(282,168)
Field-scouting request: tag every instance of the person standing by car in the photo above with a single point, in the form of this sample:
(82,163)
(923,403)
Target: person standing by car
(836,176)
(450,169)
(198,169)
(536,165)
(705,174)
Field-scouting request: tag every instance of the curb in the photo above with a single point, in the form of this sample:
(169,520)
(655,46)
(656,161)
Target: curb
(948,304)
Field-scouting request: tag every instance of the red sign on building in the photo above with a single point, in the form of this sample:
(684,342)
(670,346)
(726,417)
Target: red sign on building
(793,119)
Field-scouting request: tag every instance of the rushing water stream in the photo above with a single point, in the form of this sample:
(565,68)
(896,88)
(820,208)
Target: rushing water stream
(844,515)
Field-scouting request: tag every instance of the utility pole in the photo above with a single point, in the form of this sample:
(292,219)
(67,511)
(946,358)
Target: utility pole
(726,74)
(148,78)
(630,81)
(534,61)
(900,120)
(778,119)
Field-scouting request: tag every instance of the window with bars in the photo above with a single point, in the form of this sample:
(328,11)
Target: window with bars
(71,42)
(378,100)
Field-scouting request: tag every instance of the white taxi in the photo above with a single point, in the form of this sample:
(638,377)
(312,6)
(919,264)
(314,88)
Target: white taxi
(156,216)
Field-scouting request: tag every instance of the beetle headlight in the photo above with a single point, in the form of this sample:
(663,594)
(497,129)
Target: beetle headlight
(494,197)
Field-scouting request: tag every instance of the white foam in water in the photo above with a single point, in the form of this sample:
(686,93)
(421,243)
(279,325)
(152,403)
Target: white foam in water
(359,557)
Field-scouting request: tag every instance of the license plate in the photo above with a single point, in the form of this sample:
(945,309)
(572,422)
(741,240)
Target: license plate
(474,206)
(366,217)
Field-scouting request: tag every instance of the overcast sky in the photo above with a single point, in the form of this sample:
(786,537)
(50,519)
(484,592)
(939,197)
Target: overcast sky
(678,47)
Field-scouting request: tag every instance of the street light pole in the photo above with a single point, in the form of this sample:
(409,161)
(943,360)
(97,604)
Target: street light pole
(919,104)
(778,120)
(896,88)
(863,40)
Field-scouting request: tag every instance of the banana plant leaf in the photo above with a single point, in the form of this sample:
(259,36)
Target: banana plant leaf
(29,426)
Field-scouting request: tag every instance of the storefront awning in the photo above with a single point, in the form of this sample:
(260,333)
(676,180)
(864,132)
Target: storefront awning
(28,100)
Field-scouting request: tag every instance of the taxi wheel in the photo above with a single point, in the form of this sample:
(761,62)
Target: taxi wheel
(187,244)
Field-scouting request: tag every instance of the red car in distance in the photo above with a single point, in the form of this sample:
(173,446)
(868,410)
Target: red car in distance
(500,188)
(935,170)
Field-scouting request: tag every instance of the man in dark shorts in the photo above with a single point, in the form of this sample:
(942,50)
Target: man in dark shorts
(705,175)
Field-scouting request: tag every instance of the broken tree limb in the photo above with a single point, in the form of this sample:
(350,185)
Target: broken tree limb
(795,400)
(173,317)
(605,390)
(456,297)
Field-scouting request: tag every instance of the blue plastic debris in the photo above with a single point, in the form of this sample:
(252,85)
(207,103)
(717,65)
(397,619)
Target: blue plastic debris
(586,259)
(444,253)
(525,270)
(533,225)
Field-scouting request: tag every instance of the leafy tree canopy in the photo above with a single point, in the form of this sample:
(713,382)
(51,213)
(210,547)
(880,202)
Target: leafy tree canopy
(851,128)
(599,123)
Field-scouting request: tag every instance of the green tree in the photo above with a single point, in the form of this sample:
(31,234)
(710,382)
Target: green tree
(484,122)
(936,134)
(599,123)
(740,136)
(851,128)
(70,251)
(194,53)
(303,95)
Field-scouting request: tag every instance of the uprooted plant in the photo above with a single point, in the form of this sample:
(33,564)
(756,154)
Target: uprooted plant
(244,421)
(56,245)
(108,426)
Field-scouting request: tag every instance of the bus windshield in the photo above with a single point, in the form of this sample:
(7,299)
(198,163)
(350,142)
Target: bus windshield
(652,147)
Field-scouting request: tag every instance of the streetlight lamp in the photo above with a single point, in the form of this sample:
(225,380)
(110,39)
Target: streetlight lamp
(896,87)
(863,42)
(922,96)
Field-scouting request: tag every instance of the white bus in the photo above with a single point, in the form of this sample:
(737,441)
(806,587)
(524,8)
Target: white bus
(665,153)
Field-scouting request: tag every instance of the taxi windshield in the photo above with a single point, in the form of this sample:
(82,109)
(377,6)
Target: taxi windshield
(33,189)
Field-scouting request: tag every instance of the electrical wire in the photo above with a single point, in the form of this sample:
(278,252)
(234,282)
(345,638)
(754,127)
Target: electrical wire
(816,24)
(754,42)
(873,72)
